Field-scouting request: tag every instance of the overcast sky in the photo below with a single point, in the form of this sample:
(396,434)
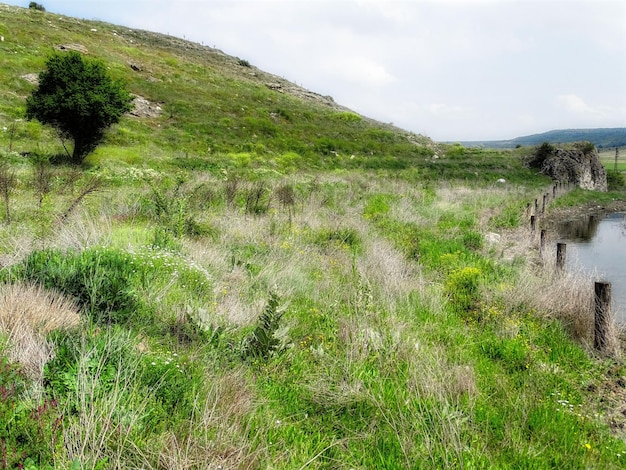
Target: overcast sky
(451,70)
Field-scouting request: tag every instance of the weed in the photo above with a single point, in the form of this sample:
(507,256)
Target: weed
(257,200)
(264,342)
(8,182)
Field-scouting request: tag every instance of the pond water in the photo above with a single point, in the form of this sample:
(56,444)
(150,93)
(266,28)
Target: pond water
(597,244)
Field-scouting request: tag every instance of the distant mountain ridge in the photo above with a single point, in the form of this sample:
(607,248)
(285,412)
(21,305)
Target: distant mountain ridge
(601,138)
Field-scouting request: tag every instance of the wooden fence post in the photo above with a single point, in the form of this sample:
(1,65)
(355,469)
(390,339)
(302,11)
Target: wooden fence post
(554,192)
(543,207)
(532,223)
(542,241)
(536,206)
(602,325)
(561,249)
(528,209)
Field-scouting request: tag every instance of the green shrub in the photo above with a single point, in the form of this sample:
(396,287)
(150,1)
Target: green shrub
(542,152)
(347,116)
(462,287)
(473,240)
(29,432)
(102,280)
(171,385)
(343,237)
(264,342)
(36,6)
(615,180)
(104,355)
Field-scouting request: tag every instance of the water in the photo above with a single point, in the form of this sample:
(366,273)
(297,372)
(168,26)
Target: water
(597,244)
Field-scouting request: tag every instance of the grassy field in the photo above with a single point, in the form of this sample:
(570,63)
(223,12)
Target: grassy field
(311,291)
(607,156)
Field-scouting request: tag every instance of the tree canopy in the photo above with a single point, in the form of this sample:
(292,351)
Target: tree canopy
(78,98)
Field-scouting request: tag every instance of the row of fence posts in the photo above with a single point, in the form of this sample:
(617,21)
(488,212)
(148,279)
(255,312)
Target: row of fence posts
(602,290)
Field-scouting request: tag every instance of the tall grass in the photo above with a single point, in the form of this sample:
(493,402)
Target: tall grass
(300,288)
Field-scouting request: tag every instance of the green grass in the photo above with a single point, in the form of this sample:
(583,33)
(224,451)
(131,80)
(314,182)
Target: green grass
(266,282)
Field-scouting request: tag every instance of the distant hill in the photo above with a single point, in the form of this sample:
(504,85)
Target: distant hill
(601,138)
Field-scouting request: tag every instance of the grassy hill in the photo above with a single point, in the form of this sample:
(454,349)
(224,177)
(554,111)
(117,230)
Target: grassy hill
(219,104)
(260,278)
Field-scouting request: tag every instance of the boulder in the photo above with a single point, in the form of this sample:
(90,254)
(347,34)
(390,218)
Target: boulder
(579,165)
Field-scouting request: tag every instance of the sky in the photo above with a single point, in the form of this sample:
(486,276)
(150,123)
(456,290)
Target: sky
(452,70)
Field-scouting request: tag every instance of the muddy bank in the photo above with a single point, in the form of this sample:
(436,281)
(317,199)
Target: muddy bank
(553,217)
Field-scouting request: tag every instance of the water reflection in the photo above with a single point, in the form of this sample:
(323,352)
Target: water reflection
(582,229)
(597,243)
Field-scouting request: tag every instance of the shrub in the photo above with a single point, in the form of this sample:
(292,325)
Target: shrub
(29,432)
(542,152)
(347,116)
(342,238)
(264,341)
(100,354)
(585,147)
(462,288)
(102,281)
(36,6)
(615,180)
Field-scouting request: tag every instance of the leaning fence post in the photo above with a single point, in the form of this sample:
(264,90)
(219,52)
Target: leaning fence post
(561,248)
(602,325)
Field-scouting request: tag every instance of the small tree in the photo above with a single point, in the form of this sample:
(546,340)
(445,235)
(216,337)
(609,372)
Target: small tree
(36,6)
(78,98)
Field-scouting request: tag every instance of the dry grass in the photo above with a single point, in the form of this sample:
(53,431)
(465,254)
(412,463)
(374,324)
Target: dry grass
(82,230)
(567,295)
(216,434)
(27,313)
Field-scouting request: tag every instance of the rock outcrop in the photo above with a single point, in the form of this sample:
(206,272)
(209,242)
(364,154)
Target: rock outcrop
(579,165)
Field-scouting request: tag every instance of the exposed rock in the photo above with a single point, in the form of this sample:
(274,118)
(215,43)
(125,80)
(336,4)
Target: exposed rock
(143,108)
(72,47)
(580,165)
(493,238)
(32,78)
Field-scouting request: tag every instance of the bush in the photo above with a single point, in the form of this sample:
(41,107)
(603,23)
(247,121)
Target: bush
(29,432)
(615,180)
(36,6)
(542,152)
(102,281)
(462,287)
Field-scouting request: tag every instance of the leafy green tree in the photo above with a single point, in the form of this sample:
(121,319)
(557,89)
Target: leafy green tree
(36,6)
(78,98)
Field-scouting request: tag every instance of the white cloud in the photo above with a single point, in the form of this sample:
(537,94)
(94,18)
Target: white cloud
(453,69)
(574,104)
(359,70)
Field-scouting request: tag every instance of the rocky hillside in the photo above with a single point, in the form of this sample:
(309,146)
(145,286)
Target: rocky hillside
(192,100)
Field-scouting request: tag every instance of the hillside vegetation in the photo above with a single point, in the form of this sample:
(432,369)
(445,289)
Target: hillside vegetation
(259,278)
